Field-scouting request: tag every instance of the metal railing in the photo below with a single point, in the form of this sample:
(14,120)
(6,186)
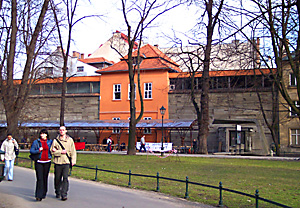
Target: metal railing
(186,181)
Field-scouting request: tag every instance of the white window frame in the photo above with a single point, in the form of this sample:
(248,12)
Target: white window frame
(147,130)
(129,91)
(116,89)
(116,130)
(148,90)
(292,80)
(80,68)
(290,108)
(295,133)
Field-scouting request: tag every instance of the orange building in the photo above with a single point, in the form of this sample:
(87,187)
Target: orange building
(114,91)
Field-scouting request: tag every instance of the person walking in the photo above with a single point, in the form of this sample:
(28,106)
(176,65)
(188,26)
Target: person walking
(64,155)
(8,146)
(143,143)
(109,142)
(42,147)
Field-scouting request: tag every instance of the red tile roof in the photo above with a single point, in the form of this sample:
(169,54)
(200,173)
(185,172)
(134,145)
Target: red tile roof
(153,59)
(223,73)
(125,37)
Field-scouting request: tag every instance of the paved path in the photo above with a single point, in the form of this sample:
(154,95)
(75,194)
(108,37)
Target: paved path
(83,194)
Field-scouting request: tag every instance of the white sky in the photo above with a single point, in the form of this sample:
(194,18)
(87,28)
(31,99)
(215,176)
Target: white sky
(92,32)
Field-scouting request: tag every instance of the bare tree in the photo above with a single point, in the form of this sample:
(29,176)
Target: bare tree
(144,13)
(199,59)
(22,38)
(65,19)
(277,23)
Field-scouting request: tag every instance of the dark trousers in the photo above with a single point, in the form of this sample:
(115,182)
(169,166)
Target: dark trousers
(42,172)
(61,181)
(143,147)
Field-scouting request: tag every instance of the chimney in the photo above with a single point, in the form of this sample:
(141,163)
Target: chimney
(76,54)
(82,56)
(156,45)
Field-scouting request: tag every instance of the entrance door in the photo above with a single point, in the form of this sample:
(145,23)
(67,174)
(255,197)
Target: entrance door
(237,139)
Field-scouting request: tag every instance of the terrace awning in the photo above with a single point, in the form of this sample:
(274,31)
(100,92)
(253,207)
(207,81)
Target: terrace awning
(108,124)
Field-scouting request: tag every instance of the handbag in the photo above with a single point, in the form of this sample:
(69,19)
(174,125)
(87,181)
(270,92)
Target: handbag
(35,157)
(16,150)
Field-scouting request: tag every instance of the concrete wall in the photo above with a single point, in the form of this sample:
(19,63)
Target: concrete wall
(228,105)
(79,107)
(48,108)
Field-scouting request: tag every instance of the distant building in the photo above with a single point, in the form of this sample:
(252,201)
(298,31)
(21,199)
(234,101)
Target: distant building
(53,64)
(155,68)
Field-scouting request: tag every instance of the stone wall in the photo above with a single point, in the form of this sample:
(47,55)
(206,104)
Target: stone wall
(242,106)
(48,108)
(79,107)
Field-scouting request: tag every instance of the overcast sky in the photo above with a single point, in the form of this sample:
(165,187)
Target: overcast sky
(93,32)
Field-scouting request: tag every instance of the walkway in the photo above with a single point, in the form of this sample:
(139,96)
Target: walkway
(83,194)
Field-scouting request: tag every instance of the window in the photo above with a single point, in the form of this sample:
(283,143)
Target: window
(147,130)
(129,91)
(95,87)
(117,92)
(293,80)
(80,69)
(147,90)
(292,113)
(35,90)
(295,136)
(49,70)
(116,130)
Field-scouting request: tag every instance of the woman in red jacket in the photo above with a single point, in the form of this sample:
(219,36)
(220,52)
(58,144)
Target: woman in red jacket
(42,165)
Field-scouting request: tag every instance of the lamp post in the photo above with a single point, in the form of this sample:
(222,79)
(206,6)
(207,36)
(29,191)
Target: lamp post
(162,112)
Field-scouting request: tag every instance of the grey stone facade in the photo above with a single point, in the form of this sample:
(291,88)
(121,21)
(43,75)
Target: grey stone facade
(42,107)
(227,109)
(48,108)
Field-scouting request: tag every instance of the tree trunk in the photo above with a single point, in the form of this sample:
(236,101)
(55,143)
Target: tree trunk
(63,98)
(204,121)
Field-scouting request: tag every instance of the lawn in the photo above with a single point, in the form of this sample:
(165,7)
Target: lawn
(276,180)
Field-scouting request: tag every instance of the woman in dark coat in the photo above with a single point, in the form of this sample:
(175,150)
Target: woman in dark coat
(42,146)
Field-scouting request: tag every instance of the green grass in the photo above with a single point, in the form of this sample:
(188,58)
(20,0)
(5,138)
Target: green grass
(276,180)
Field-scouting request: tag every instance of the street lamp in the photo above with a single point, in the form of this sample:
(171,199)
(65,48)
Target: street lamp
(162,112)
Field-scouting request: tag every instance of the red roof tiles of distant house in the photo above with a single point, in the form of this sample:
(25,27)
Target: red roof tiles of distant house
(125,37)
(152,59)
(95,60)
(223,73)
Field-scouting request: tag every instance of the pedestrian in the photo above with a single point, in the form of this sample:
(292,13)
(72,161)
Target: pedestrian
(64,156)
(42,147)
(109,142)
(143,143)
(194,146)
(8,146)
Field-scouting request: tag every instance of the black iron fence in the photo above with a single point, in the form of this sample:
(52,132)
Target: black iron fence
(186,181)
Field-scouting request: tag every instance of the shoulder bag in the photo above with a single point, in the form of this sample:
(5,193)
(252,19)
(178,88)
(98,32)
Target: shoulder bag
(35,157)
(70,159)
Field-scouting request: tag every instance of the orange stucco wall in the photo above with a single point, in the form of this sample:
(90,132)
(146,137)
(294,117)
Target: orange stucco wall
(110,108)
